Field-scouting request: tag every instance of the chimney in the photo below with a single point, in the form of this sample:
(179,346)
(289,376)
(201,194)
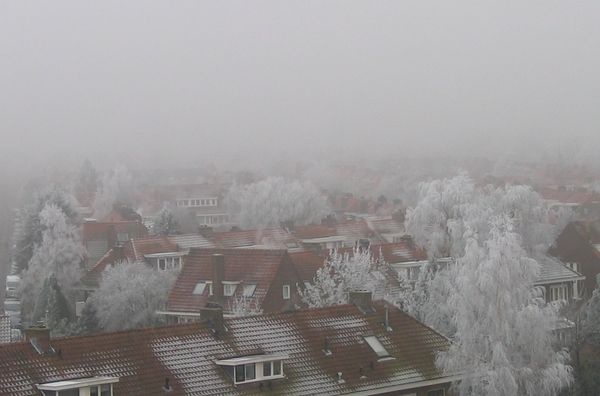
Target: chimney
(39,338)
(218,273)
(119,252)
(213,316)
(362,299)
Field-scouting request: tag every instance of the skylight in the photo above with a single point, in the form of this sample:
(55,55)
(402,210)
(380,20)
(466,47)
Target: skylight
(199,289)
(377,347)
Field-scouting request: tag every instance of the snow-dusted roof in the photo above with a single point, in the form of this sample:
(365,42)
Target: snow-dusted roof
(186,355)
(552,271)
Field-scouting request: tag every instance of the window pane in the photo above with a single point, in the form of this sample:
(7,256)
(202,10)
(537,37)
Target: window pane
(376,346)
(437,392)
(94,391)
(277,367)
(266,369)
(161,264)
(240,374)
(250,371)
(70,392)
(105,390)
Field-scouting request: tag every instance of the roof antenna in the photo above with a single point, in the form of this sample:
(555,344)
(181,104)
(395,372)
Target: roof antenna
(387,319)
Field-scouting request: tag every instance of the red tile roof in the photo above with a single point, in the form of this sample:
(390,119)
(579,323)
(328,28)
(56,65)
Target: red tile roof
(249,266)
(136,249)
(132,251)
(186,354)
(93,230)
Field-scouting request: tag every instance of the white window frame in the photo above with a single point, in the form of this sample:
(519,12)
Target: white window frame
(559,293)
(232,286)
(286,292)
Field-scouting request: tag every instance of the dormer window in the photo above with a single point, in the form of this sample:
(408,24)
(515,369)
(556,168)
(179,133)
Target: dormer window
(95,386)
(229,288)
(249,289)
(254,368)
(166,261)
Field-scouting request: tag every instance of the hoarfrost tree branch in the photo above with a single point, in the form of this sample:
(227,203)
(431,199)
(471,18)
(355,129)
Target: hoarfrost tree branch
(32,229)
(503,333)
(115,189)
(275,200)
(59,254)
(245,306)
(342,273)
(437,222)
(166,222)
(129,296)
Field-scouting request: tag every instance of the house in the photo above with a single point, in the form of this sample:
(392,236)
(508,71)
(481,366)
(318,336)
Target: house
(335,236)
(264,278)
(559,282)
(584,203)
(99,237)
(365,348)
(404,257)
(158,251)
(578,246)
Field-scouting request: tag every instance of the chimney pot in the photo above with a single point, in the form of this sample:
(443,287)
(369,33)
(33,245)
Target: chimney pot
(39,337)
(362,299)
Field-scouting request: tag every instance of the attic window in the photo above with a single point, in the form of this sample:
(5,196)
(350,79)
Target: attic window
(377,347)
(229,288)
(95,386)
(253,368)
(249,290)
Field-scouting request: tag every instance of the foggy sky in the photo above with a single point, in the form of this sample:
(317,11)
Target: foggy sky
(178,82)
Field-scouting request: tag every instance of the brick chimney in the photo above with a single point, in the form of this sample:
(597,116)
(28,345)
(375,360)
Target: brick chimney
(213,316)
(39,338)
(218,273)
(362,299)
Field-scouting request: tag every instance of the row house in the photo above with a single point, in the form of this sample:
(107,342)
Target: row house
(363,348)
(98,237)
(238,280)
(163,253)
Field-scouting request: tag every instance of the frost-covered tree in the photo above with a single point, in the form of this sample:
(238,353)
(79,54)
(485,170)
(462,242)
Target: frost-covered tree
(115,189)
(166,222)
(447,208)
(59,255)
(437,221)
(31,229)
(342,273)
(503,337)
(245,306)
(129,296)
(276,200)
